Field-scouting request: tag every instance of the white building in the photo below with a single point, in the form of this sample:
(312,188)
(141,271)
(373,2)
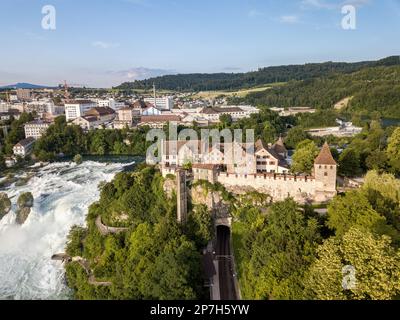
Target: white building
(213,114)
(55,110)
(4,107)
(36,129)
(164,103)
(24,147)
(111,103)
(77,108)
(151,111)
(88,122)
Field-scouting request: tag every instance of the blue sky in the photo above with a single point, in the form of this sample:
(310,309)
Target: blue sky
(102,43)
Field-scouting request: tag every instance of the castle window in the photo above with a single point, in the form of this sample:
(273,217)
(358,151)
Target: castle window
(331,167)
(326,174)
(320,167)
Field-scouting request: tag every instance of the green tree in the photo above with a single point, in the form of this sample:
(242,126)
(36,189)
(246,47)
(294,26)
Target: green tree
(280,254)
(225,120)
(304,157)
(269,133)
(349,163)
(393,150)
(201,225)
(377,160)
(295,136)
(376,268)
(354,209)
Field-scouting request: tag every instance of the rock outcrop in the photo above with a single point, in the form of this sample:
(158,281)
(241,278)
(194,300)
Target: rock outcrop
(212,199)
(5,204)
(25,203)
(169,187)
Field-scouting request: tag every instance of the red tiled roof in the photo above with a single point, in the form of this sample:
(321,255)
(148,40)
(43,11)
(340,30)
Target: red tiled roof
(204,166)
(325,156)
(100,111)
(79,102)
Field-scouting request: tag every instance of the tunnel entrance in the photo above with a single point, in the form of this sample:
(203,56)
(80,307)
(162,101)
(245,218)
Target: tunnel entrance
(224,256)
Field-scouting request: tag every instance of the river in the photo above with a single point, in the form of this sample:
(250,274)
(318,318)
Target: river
(63,192)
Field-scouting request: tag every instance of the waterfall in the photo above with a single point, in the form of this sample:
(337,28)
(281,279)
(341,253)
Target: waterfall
(62,192)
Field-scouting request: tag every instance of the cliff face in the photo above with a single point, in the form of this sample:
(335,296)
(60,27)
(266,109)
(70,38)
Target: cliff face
(169,187)
(214,201)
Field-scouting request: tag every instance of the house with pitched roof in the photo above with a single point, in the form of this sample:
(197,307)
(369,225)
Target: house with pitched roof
(242,168)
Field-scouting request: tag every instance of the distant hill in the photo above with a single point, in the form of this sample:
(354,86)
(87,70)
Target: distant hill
(235,81)
(371,89)
(24,86)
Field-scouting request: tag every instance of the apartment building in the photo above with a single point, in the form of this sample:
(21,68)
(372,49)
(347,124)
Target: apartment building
(77,108)
(36,129)
(163,103)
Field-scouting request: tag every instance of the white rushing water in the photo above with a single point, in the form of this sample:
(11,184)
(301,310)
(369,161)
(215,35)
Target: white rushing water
(62,192)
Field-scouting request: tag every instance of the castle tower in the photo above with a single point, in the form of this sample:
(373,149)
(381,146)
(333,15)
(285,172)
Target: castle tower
(325,171)
(181,194)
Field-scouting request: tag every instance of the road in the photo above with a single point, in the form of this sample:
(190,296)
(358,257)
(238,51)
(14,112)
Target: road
(225,264)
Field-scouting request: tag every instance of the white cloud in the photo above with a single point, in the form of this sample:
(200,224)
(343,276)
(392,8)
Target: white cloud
(318,4)
(140,73)
(290,19)
(105,45)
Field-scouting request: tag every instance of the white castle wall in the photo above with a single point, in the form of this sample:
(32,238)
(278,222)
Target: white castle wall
(279,187)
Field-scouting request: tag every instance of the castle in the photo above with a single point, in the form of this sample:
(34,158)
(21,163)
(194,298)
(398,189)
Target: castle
(244,167)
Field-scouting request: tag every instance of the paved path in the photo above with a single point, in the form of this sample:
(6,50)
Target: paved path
(85,265)
(106,230)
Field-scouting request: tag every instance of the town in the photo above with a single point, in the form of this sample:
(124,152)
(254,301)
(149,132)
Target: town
(108,113)
(180,151)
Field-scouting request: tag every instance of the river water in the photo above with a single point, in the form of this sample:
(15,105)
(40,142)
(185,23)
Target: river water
(62,192)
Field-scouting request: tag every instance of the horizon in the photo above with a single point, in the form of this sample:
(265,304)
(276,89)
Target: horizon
(105,43)
(171,74)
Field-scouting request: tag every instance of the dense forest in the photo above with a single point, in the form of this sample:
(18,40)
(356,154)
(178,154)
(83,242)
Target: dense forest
(234,81)
(154,258)
(374,89)
(286,251)
(70,140)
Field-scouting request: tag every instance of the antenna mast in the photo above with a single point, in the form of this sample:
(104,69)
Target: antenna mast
(154,93)
(66,93)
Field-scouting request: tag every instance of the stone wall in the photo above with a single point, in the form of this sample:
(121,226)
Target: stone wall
(279,187)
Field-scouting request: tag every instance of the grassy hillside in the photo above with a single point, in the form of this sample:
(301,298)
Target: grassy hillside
(374,89)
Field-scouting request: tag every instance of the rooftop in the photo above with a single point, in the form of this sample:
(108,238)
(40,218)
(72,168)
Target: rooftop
(325,156)
(79,101)
(26,142)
